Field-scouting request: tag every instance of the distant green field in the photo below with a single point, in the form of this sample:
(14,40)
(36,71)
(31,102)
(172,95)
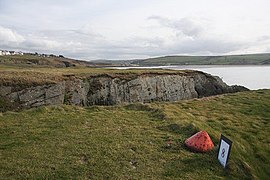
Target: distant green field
(30,60)
(131,141)
(251,59)
(37,61)
(54,61)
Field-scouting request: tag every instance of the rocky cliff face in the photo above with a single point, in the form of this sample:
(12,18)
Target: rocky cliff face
(109,90)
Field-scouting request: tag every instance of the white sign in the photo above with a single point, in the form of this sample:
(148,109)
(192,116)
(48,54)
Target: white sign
(224,150)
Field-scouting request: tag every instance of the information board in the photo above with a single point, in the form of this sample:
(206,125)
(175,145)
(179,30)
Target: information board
(224,150)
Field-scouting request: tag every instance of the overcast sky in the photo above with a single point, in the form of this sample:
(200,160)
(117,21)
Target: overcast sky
(122,29)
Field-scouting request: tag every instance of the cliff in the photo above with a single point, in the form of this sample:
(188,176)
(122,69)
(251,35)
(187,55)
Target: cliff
(104,89)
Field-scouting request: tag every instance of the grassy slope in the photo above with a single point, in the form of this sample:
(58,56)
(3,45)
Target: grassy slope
(28,60)
(250,59)
(131,140)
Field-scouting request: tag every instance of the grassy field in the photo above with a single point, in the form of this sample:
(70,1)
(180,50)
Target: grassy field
(249,59)
(131,141)
(30,60)
(31,76)
(245,59)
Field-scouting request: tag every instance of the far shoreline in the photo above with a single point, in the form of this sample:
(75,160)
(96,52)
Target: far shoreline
(254,77)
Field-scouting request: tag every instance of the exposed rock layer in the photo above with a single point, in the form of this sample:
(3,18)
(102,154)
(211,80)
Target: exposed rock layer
(109,90)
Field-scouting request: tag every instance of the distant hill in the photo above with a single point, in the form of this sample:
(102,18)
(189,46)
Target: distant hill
(32,60)
(37,60)
(248,59)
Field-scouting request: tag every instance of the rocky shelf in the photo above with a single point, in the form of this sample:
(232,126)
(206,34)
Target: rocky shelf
(104,89)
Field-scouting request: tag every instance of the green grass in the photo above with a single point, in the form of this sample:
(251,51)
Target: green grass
(28,60)
(130,141)
(33,76)
(249,59)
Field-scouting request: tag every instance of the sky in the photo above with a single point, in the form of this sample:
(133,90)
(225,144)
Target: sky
(121,29)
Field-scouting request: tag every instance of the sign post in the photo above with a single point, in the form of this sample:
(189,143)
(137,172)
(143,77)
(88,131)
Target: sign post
(224,150)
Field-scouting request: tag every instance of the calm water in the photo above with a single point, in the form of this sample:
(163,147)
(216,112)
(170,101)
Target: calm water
(252,77)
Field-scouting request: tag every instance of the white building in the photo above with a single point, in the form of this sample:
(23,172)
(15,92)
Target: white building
(20,53)
(12,52)
(5,52)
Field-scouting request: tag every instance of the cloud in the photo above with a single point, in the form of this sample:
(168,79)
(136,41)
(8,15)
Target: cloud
(74,42)
(170,37)
(206,46)
(187,26)
(190,37)
(11,39)
(8,36)
(89,45)
(37,43)
(263,38)
(106,29)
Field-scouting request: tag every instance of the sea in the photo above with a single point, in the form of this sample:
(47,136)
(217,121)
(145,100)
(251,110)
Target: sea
(252,77)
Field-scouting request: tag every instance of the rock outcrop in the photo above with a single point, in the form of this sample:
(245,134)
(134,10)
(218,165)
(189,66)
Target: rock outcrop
(111,90)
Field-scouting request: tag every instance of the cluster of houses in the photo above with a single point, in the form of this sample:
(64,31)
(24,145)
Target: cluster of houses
(6,53)
(45,55)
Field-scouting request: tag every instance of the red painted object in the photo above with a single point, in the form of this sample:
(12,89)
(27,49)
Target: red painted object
(200,142)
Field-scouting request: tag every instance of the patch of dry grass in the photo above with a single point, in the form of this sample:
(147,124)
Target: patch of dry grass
(36,76)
